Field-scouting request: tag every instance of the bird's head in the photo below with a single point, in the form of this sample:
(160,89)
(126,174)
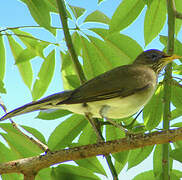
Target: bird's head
(155,59)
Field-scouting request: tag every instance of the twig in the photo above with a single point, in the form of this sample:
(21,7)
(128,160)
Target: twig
(177,14)
(41,145)
(26,36)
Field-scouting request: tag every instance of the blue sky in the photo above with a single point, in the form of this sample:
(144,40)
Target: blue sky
(14,13)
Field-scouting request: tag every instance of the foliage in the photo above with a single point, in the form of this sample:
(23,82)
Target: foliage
(100,47)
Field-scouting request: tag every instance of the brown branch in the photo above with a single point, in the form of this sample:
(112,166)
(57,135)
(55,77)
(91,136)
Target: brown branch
(33,164)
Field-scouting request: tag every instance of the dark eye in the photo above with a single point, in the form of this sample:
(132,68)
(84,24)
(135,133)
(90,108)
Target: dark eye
(154,57)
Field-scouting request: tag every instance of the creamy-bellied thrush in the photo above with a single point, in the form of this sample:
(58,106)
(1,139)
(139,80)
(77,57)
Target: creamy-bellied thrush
(118,93)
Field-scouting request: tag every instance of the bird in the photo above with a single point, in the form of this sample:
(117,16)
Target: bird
(115,94)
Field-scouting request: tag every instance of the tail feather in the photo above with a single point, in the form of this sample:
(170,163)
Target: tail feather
(45,103)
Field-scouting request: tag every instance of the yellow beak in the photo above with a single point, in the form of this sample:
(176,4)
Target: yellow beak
(171,58)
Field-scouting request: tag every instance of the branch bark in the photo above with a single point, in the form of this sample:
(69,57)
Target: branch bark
(34,164)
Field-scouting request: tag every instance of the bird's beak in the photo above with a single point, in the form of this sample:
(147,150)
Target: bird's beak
(169,59)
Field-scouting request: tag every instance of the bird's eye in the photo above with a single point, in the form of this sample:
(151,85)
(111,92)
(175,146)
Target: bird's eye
(154,57)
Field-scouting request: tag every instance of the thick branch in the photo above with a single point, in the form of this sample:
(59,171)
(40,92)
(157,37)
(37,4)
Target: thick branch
(34,164)
(167,88)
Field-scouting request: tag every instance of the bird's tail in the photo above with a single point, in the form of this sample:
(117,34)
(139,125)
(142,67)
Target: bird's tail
(49,102)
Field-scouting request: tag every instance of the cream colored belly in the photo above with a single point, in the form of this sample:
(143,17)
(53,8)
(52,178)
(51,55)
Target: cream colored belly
(117,107)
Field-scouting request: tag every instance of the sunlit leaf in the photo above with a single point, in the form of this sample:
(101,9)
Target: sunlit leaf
(52,114)
(100,56)
(77,11)
(34,45)
(145,176)
(178,22)
(40,11)
(176,154)
(176,95)
(66,132)
(65,171)
(2,58)
(92,164)
(138,155)
(2,89)
(44,76)
(35,133)
(22,147)
(98,17)
(25,68)
(125,14)
(44,174)
(152,113)
(155,18)
(87,136)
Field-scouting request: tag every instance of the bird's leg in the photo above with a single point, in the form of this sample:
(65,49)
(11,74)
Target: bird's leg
(131,124)
(103,113)
(95,127)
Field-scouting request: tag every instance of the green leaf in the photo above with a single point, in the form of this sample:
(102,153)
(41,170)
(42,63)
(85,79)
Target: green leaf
(67,72)
(44,174)
(92,64)
(98,17)
(2,89)
(145,176)
(12,176)
(92,164)
(87,136)
(155,18)
(65,171)
(20,145)
(177,173)
(40,11)
(152,113)
(176,113)
(176,154)
(100,1)
(35,133)
(178,22)
(125,14)
(34,45)
(52,114)
(44,76)
(2,59)
(118,43)
(176,96)
(138,155)
(25,55)
(25,68)
(100,56)
(66,132)
(77,11)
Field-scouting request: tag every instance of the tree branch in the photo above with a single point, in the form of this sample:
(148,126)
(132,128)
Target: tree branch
(167,89)
(34,164)
(69,43)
